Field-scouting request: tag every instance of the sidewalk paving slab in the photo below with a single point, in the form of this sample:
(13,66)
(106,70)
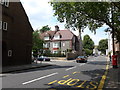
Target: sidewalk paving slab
(113,78)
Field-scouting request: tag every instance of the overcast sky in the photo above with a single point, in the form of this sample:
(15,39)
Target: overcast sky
(40,13)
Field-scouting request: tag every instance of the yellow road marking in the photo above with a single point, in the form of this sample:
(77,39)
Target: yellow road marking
(81,84)
(72,82)
(69,83)
(102,81)
(75,72)
(107,67)
(52,82)
(65,76)
(93,85)
(64,81)
(97,74)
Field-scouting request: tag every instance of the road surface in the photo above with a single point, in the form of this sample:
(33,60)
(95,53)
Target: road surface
(62,74)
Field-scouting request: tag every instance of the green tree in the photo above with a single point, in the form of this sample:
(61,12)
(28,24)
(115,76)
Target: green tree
(45,28)
(92,14)
(88,52)
(103,45)
(88,44)
(37,43)
(79,15)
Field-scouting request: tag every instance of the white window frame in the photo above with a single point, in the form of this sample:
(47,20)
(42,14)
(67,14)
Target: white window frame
(55,45)
(46,45)
(57,37)
(2,2)
(0,24)
(5,25)
(55,51)
(6,3)
(9,53)
(63,44)
(46,38)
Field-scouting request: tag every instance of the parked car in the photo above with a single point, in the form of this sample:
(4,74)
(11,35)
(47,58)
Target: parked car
(81,59)
(43,58)
(96,55)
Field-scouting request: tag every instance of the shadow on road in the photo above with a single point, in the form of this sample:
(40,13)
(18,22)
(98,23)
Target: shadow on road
(111,81)
(41,68)
(97,62)
(93,83)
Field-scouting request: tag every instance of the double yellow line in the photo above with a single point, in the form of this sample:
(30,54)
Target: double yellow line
(102,81)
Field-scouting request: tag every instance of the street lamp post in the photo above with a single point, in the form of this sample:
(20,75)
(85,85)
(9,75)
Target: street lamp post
(109,42)
(108,32)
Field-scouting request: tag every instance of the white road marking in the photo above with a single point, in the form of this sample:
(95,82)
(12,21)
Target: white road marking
(81,64)
(39,78)
(74,67)
(70,68)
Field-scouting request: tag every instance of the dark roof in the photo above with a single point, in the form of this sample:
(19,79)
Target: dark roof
(48,33)
(65,35)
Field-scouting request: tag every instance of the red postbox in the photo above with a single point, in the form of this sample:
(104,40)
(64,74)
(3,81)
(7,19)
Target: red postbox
(114,61)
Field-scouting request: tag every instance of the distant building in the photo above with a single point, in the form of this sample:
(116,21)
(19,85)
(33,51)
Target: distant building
(110,44)
(16,34)
(59,40)
(96,51)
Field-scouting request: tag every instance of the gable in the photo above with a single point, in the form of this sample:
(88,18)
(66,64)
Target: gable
(64,35)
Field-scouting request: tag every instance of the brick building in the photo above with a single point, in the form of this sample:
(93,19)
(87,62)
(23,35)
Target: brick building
(16,34)
(59,40)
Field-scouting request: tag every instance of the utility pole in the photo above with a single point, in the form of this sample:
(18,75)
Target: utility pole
(108,41)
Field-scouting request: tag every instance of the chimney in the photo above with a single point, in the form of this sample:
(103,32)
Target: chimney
(56,28)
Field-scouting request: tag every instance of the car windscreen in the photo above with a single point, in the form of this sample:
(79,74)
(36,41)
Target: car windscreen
(42,57)
(81,57)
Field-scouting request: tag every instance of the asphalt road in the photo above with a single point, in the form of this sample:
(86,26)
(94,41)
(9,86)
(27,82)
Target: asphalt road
(62,74)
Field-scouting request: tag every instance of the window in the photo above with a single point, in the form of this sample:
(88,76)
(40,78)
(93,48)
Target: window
(46,45)
(46,38)
(55,52)
(1,1)
(9,53)
(4,25)
(55,45)
(0,24)
(57,37)
(63,44)
(5,2)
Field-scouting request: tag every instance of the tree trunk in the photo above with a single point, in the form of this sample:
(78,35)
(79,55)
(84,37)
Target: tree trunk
(80,43)
(113,29)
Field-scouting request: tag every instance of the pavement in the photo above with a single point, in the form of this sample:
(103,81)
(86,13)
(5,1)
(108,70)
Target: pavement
(112,80)
(24,67)
(30,66)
